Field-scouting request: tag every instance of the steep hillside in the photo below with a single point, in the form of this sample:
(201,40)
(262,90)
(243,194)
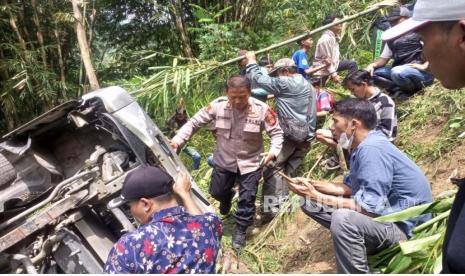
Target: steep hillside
(430,128)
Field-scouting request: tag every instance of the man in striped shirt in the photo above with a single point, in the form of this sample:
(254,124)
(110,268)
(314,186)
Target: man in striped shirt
(361,86)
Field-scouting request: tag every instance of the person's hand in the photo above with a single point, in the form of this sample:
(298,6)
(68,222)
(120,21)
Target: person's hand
(327,61)
(371,69)
(326,137)
(335,78)
(250,57)
(174,146)
(182,185)
(302,186)
(421,67)
(270,157)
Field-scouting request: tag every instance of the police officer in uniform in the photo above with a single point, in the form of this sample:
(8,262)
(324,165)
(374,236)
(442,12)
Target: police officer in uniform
(239,121)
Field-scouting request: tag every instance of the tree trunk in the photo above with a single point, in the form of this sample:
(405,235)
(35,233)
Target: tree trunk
(60,57)
(237,10)
(247,12)
(40,37)
(227,15)
(93,17)
(178,11)
(14,26)
(25,30)
(83,46)
(3,68)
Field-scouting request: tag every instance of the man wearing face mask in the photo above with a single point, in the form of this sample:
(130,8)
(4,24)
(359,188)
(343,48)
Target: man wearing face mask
(239,121)
(383,180)
(171,238)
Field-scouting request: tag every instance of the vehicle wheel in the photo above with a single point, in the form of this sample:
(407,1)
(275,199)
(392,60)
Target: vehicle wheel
(7,172)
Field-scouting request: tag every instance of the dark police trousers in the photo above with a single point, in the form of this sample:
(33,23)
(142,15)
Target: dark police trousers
(221,189)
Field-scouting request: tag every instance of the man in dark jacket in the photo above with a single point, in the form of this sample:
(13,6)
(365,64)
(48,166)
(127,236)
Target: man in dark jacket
(442,29)
(408,73)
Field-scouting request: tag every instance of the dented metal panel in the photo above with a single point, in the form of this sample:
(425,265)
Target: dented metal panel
(41,219)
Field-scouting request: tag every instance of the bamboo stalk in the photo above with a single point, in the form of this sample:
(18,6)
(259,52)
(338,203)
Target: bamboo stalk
(374,8)
(14,26)
(83,44)
(317,30)
(60,58)
(309,173)
(39,34)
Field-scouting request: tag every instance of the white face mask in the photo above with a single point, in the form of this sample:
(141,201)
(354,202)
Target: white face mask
(345,142)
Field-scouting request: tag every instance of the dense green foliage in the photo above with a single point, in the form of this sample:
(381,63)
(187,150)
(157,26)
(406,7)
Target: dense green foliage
(129,38)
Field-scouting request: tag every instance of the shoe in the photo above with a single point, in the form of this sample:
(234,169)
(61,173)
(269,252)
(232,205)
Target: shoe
(393,91)
(266,218)
(225,208)
(400,95)
(238,238)
(383,82)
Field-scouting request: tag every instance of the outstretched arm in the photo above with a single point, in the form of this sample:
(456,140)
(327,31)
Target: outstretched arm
(303,187)
(200,119)
(270,84)
(182,187)
(275,132)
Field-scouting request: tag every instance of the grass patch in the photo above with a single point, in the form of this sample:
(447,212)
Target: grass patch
(429,127)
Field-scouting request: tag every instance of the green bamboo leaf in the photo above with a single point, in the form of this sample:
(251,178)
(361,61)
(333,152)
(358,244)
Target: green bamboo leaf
(188,78)
(405,214)
(175,78)
(443,205)
(206,20)
(436,206)
(160,67)
(179,84)
(423,244)
(437,268)
(425,225)
(394,262)
(403,265)
(175,62)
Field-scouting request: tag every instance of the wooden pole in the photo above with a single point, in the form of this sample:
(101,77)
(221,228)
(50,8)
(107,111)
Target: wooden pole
(83,45)
(374,8)
(317,30)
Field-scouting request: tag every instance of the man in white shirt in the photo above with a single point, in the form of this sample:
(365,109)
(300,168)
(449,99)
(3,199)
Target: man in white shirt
(327,48)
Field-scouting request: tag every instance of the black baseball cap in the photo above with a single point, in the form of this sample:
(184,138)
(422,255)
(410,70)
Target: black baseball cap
(143,182)
(397,13)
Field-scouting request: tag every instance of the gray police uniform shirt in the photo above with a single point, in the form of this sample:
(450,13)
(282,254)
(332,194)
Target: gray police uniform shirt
(239,140)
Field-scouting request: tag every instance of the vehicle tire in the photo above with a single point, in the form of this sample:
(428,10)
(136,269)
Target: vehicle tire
(7,172)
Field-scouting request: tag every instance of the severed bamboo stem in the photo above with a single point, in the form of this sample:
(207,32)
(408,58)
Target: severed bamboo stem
(374,8)
(317,30)
(309,173)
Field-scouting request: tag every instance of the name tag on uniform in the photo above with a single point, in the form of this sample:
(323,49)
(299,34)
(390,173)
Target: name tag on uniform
(222,122)
(251,127)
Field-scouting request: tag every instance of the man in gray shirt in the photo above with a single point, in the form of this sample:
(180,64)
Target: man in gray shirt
(296,105)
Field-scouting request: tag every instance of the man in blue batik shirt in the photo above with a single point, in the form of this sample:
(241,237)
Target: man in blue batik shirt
(301,59)
(171,238)
(383,180)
